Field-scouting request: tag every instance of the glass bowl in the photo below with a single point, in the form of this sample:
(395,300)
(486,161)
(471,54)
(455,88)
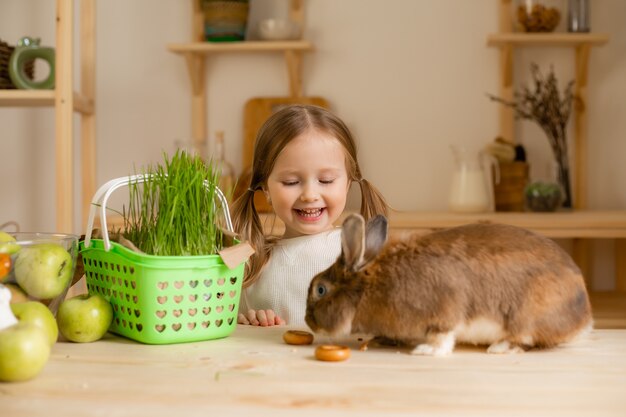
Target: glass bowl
(537,15)
(38,266)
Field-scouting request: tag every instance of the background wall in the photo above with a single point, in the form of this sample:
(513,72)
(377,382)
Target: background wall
(409,77)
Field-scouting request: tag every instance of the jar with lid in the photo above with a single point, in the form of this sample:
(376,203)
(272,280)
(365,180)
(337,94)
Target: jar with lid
(537,15)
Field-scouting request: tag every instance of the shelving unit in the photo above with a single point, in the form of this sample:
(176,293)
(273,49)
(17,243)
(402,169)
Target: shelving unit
(198,50)
(507,42)
(65,102)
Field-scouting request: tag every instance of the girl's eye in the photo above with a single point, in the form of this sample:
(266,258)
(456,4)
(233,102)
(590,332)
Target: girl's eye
(327,181)
(320,290)
(289,183)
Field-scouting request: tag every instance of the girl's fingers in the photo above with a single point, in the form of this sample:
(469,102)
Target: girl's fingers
(271,317)
(262,317)
(252,318)
(241,319)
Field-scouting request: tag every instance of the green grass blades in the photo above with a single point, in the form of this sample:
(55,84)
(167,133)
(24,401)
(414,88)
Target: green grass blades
(176,212)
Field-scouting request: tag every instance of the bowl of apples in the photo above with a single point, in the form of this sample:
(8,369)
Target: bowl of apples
(38,266)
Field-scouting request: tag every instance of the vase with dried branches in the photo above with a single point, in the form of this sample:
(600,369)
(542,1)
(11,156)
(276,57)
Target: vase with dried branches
(541,102)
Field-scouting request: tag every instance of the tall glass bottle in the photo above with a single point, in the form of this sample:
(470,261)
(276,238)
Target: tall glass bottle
(578,16)
(225,168)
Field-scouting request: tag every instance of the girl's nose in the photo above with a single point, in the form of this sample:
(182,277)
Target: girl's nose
(309,193)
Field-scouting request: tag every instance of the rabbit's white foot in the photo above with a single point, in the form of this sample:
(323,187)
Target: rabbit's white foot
(504,346)
(440,344)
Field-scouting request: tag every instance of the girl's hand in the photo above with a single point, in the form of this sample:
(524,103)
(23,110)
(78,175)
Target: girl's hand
(260,318)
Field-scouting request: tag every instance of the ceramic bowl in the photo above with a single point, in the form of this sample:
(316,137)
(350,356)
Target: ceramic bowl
(38,266)
(277,29)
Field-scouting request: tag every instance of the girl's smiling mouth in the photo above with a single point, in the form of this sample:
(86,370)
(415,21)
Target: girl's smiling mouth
(310,214)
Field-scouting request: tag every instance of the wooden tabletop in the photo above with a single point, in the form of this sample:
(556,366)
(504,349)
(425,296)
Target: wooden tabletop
(252,372)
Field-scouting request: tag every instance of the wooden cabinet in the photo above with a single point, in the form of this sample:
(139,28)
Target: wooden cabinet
(65,102)
(197,51)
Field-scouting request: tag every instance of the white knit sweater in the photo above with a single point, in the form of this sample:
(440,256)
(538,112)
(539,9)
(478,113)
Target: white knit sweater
(285,279)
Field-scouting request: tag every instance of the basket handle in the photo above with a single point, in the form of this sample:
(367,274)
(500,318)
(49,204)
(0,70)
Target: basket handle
(101,197)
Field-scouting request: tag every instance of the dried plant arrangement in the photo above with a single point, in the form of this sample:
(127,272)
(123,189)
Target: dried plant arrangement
(541,102)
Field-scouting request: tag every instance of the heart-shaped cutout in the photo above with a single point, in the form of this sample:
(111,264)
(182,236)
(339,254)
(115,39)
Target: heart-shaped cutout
(220,295)
(126,283)
(137,313)
(161,313)
(192,311)
(219,322)
(219,309)
(206,324)
(193,283)
(133,284)
(191,325)
(231,307)
(135,299)
(176,326)
(233,280)
(162,299)
(221,281)
(206,310)
(208,282)
(160,327)
(161,285)
(207,296)
(178,284)
(232,294)
(139,327)
(177,313)
(193,297)
(178,298)
(230,321)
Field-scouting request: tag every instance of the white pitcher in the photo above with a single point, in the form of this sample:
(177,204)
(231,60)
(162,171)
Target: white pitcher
(472,186)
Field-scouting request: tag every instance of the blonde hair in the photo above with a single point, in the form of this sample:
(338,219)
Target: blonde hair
(280,129)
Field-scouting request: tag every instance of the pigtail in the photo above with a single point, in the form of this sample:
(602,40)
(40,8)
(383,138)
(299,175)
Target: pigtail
(372,201)
(247,224)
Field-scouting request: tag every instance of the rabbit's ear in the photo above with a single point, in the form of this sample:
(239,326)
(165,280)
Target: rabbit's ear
(353,241)
(361,244)
(375,237)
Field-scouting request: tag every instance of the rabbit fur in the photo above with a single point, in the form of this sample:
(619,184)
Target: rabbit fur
(484,284)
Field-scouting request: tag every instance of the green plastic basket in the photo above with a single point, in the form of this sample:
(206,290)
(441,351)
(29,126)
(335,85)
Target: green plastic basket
(161,299)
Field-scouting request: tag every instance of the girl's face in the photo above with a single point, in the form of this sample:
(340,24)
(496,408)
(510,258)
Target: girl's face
(309,184)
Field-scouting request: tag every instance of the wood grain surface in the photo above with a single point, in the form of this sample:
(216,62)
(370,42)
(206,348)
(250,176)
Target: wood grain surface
(253,372)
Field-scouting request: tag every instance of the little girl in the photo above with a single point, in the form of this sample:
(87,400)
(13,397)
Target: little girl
(304,161)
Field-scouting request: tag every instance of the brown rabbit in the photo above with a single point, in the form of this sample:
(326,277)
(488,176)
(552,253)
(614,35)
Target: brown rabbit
(486,284)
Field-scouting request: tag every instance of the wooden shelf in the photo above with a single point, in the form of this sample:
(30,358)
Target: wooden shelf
(196,52)
(206,48)
(42,98)
(547,39)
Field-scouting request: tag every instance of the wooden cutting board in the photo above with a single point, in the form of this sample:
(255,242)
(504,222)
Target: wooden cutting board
(256,112)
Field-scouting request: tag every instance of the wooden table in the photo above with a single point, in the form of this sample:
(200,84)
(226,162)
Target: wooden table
(253,372)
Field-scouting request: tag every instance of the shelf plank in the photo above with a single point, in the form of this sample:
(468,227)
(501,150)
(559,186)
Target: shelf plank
(560,224)
(546,39)
(245,46)
(41,98)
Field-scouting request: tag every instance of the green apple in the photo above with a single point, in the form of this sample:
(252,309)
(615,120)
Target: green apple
(84,318)
(43,270)
(24,351)
(7,243)
(38,314)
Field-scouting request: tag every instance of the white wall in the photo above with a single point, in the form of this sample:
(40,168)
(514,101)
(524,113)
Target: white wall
(410,78)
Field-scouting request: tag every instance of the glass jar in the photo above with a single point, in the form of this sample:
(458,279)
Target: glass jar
(578,16)
(537,15)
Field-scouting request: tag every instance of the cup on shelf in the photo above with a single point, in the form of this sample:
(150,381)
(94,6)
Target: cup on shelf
(278,29)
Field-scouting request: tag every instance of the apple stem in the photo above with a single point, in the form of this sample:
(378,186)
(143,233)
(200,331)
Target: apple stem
(7,318)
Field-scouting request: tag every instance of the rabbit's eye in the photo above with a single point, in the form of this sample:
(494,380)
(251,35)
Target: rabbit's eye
(321,290)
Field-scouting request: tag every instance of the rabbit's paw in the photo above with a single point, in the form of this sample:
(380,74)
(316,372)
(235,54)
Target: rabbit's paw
(430,350)
(440,344)
(504,346)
